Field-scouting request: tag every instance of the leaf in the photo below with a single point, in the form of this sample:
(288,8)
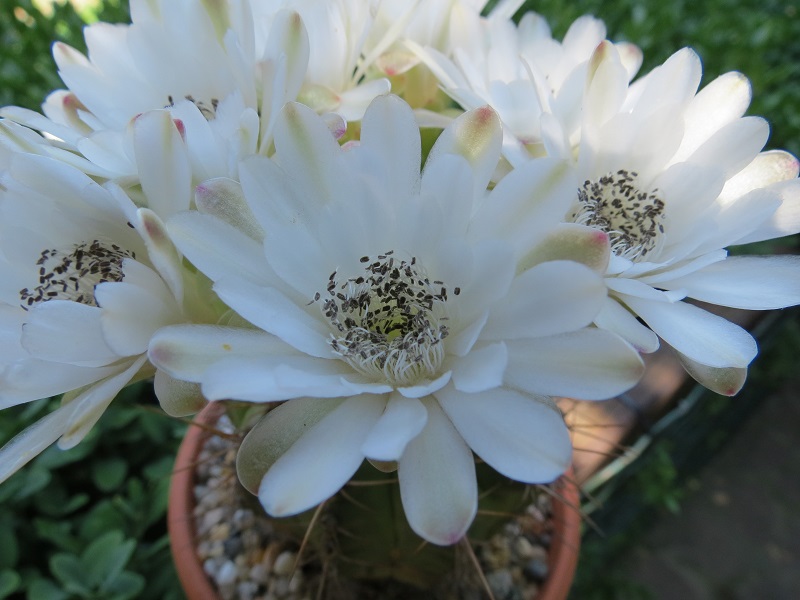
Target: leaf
(9,583)
(8,542)
(124,586)
(58,533)
(68,570)
(44,589)
(105,558)
(108,474)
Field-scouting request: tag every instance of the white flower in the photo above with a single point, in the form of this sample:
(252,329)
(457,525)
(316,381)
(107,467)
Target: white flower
(396,312)
(674,176)
(196,59)
(87,279)
(522,72)
(337,78)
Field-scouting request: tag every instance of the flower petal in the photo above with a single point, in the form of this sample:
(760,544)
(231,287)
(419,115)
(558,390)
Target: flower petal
(163,163)
(522,437)
(390,136)
(178,398)
(618,319)
(482,369)
(703,337)
(275,433)
(477,136)
(271,378)
(569,241)
(438,487)
(90,404)
(400,423)
(224,199)
(272,311)
(550,298)
(32,441)
(69,332)
(749,282)
(590,364)
(217,248)
(186,351)
(318,464)
(726,381)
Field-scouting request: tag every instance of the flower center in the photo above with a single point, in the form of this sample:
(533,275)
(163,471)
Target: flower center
(73,275)
(388,322)
(208,110)
(633,219)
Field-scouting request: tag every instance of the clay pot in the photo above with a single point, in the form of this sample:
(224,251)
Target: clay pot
(562,558)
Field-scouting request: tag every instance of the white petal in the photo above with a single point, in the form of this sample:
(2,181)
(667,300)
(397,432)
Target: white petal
(522,437)
(32,379)
(749,282)
(163,163)
(354,102)
(28,444)
(590,364)
(69,332)
(569,241)
(700,335)
(527,202)
(217,248)
(734,146)
(322,460)
(767,168)
(186,351)
(425,387)
(477,136)
(131,315)
(400,423)
(786,218)
(224,198)
(275,433)
(271,378)
(726,381)
(391,136)
(553,297)
(720,102)
(308,152)
(438,487)
(272,311)
(618,319)
(91,403)
(482,369)
(160,250)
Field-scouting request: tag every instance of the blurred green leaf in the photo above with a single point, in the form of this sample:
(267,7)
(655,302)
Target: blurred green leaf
(105,558)
(108,474)
(9,583)
(44,589)
(67,568)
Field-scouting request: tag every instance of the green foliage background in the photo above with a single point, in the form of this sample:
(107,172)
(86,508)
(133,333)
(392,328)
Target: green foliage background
(90,522)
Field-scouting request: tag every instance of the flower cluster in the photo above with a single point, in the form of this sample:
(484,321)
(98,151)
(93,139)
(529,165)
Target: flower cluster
(242,201)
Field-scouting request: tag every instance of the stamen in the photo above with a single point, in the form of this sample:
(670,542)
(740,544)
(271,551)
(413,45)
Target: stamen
(632,218)
(387,323)
(73,275)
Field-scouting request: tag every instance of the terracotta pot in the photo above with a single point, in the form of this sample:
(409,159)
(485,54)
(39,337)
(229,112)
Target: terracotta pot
(562,558)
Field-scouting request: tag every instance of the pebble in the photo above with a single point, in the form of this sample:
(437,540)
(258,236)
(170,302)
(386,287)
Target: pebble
(535,569)
(284,563)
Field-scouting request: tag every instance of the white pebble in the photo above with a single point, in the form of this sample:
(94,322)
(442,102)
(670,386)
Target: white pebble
(284,563)
(226,574)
